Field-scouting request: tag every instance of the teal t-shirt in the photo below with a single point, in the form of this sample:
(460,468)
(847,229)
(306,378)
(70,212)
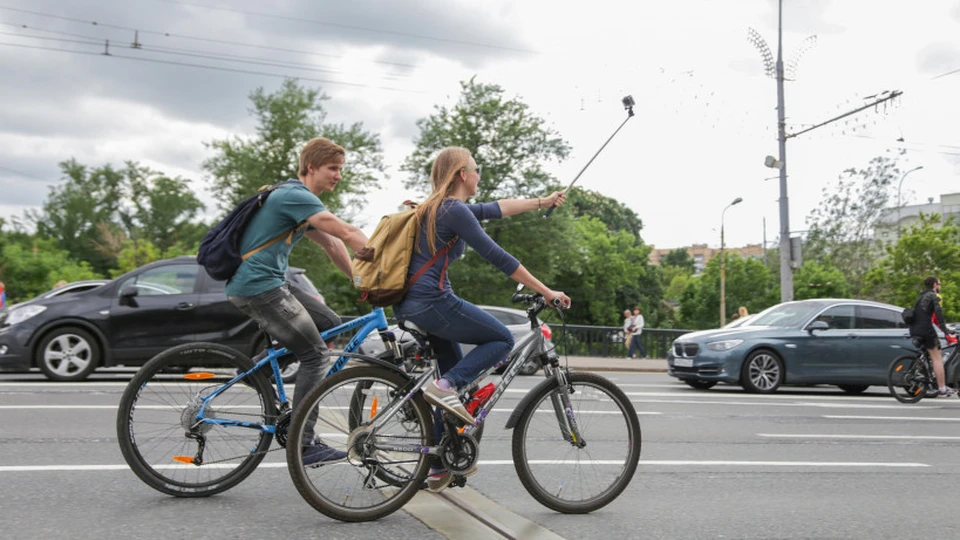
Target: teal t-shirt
(286,207)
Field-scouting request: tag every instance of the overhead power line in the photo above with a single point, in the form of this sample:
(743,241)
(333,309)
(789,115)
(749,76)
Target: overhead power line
(108,54)
(351,27)
(193,38)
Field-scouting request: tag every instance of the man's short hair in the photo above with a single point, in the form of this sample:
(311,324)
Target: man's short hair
(318,152)
(931,281)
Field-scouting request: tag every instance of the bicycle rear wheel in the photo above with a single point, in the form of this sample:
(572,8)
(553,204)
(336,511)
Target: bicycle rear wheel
(577,476)
(157,429)
(373,482)
(905,379)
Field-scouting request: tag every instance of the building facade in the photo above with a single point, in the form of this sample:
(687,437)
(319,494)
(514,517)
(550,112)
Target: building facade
(893,221)
(701,254)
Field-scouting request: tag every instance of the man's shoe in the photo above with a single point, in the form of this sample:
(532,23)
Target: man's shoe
(318,454)
(447,400)
(948,392)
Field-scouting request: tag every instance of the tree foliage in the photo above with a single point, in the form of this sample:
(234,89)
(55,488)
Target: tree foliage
(28,269)
(841,227)
(679,258)
(816,280)
(927,248)
(286,120)
(506,139)
(748,282)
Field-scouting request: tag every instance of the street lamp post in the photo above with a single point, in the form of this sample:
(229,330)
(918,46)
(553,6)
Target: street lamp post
(723,266)
(898,196)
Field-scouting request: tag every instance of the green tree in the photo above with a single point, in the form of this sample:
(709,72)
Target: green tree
(929,247)
(78,209)
(815,280)
(507,140)
(679,258)
(286,120)
(614,214)
(749,283)
(30,270)
(841,227)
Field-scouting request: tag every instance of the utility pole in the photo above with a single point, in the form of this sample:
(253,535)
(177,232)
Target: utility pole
(786,270)
(776,70)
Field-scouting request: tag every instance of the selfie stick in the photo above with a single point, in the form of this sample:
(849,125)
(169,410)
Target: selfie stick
(628,104)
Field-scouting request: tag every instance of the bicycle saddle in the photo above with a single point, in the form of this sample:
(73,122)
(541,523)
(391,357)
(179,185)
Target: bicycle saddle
(917,342)
(418,333)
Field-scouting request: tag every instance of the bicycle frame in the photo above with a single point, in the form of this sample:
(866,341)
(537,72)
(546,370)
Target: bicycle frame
(375,320)
(531,344)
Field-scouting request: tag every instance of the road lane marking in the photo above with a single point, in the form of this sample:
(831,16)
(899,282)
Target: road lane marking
(238,407)
(911,418)
(774,404)
(504,462)
(858,437)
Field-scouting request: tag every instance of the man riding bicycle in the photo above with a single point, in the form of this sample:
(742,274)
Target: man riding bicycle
(927,312)
(258,287)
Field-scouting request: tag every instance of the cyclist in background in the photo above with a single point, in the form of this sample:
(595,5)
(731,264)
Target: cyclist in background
(259,290)
(927,310)
(431,304)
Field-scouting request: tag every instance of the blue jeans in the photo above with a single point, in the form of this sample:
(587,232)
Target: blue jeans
(450,321)
(635,346)
(285,318)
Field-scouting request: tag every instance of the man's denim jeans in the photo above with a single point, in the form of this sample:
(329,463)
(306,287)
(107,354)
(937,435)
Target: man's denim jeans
(284,317)
(450,321)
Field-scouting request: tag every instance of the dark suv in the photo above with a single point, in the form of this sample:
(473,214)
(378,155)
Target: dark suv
(127,321)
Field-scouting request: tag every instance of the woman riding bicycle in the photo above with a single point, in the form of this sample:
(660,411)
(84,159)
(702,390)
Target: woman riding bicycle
(445,218)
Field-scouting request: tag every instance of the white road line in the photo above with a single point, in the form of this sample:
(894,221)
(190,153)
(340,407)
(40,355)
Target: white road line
(504,462)
(164,407)
(773,404)
(910,418)
(856,437)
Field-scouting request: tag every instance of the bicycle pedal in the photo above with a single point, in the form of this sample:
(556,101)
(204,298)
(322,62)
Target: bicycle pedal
(458,481)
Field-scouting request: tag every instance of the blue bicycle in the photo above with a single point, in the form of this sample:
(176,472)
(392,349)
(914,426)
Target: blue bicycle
(198,419)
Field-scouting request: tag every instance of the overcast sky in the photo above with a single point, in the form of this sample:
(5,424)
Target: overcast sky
(705,113)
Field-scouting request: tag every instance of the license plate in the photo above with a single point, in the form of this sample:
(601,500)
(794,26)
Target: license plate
(683,362)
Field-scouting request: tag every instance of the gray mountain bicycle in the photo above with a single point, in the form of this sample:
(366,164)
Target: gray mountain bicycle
(576,439)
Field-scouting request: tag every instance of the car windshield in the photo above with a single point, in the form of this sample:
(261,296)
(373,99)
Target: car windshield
(786,315)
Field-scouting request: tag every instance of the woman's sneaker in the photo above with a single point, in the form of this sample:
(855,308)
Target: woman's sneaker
(439,479)
(947,392)
(449,401)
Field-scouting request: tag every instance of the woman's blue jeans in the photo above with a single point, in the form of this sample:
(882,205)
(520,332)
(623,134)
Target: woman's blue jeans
(449,321)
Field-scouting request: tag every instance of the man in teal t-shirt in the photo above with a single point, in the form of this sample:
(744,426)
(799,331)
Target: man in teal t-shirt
(258,288)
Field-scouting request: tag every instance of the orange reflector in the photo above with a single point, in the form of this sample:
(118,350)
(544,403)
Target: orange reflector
(373,407)
(460,429)
(199,376)
(899,368)
(184,459)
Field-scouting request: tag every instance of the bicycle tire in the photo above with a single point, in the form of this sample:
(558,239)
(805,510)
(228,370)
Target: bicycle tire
(341,490)
(541,453)
(160,401)
(904,379)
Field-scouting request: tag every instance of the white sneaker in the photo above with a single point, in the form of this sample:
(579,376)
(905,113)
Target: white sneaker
(447,400)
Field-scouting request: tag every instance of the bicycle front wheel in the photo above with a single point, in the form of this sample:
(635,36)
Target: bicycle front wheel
(905,379)
(580,472)
(159,434)
(374,481)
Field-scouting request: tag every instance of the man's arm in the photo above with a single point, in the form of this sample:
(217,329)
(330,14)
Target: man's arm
(335,249)
(330,224)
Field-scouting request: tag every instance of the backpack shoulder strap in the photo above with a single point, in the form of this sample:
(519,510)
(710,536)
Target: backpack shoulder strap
(436,256)
(285,234)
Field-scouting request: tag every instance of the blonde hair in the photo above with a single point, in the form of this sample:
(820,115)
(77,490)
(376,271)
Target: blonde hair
(449,162)
(318,152)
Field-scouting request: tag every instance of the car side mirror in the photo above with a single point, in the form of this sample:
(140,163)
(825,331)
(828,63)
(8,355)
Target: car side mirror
(128,295)
(817,325)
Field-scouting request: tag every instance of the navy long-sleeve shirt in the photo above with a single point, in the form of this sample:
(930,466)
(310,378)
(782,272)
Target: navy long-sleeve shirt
(455,218)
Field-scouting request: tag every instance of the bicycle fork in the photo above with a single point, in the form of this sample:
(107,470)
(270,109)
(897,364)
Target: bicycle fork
(563,409)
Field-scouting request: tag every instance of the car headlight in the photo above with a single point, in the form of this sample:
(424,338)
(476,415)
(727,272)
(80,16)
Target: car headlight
(19,315)
(725,345)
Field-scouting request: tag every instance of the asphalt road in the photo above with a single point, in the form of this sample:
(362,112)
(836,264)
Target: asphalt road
(802,463)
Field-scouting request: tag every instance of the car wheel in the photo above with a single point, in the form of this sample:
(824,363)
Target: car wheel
(762,372)
(853,388)
(68,354)
(700,384)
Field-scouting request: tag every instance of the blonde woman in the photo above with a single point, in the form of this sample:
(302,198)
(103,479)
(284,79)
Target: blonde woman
(445,219)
